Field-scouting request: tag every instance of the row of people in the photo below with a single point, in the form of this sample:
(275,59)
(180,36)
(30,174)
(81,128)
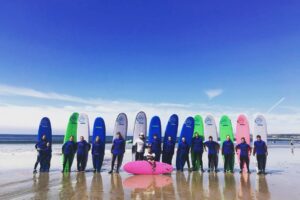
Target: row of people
(197,147)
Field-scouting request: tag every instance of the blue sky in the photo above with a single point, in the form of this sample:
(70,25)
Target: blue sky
(245,53)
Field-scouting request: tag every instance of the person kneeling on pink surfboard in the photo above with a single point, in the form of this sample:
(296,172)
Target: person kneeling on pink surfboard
(150,157)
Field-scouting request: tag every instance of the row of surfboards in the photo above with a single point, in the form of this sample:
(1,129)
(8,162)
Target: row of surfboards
(78,125)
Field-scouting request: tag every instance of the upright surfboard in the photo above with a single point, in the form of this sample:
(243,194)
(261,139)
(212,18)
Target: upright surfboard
(187,132)
(171,131)
(71,131)
(140,126)
(99,130)
(45,129)
(154,129)
(242,130)
(198,126)
(198,129)
(121,126)
(260,128)
(225,128)
(83,128)
(210,128)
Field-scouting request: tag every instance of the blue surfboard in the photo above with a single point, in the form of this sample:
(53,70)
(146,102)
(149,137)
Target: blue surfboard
(187,132)
(99,130)
(154,129)
(171,131)
(45,129)
(172,128)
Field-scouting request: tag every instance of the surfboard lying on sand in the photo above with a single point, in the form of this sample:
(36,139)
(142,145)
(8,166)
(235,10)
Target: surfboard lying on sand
(145,168)
(71,131)
(242,130)
(140,126)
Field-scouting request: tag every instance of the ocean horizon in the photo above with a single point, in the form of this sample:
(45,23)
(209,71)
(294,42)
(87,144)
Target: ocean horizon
(58,139)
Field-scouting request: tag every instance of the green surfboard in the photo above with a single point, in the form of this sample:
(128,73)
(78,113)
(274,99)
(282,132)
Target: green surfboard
(225,127)
(198,129)
(71,131)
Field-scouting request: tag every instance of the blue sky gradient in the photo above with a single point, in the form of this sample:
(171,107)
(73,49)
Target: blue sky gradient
(153,51)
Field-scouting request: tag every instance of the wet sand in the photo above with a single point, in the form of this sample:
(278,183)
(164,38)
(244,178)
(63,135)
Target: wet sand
(18,182)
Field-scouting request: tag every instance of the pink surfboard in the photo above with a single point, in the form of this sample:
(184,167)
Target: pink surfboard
(242,130)
(146,181)
(145,168)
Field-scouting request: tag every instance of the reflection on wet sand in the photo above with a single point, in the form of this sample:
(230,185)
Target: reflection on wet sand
(229,189)
(245,191)
(41,186)
(67,190)
(197,187)
(183,185)
(149,186)
(213,186)
(80,186)
(116,188)
(97,187)
(262,188)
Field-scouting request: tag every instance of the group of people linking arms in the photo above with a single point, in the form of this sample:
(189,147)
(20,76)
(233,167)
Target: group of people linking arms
(154,152)
(228,150)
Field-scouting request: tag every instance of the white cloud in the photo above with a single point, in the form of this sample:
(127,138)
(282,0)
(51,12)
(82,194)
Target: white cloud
(213,93)
(25,119)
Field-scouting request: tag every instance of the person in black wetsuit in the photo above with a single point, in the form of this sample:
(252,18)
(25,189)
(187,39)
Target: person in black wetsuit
(40,147)
(117,150)
(69,150)
(228,153)
(213,151)
(98,150)
(82,153)
(245,151)
(261,152)
(168,151)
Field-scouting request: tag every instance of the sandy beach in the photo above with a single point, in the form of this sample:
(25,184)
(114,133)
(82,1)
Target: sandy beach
(18,182)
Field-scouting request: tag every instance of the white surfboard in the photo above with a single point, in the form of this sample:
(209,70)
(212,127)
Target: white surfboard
(140,126)
(83,128)
(260,128)
(210,128)
(121,125)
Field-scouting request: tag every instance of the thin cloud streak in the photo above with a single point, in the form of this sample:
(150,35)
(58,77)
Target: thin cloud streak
(276,105)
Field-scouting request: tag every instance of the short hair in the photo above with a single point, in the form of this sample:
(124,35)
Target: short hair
(210,137)
(258,136)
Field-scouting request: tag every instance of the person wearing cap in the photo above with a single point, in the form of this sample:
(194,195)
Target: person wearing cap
(139,147)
